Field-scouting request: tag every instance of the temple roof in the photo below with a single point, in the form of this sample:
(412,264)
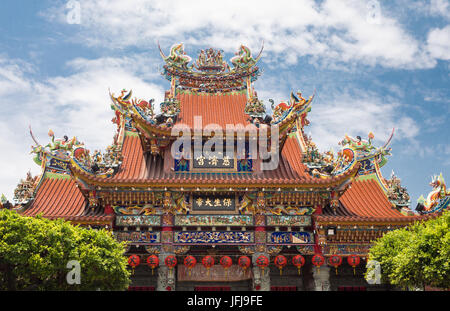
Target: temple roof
(58,196)
(365,201)
(145,169)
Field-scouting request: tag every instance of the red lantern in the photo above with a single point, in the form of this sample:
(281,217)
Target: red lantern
(353,261)
(208,262)
(318,260)
(262,262)
(190,262)
(153,262)
(226,262)
(298,261)
(244,262)
(170,261)
(134,261)
(280,261)
(335,261)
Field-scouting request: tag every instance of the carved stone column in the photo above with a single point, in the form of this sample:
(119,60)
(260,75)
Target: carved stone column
(166,277)
(322,278)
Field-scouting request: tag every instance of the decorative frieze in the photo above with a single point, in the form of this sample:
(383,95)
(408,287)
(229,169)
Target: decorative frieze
(138,221)
(141,237)
(288,220)
(213,237)
(280,237)
(213,220)
(346,249)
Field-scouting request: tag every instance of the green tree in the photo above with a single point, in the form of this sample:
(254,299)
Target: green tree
(417,255)
(34,253)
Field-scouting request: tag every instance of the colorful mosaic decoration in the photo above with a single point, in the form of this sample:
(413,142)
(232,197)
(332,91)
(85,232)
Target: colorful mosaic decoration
(211,237)
(213,220)
(144,237)
(280,237)
(287,220)
(138,220)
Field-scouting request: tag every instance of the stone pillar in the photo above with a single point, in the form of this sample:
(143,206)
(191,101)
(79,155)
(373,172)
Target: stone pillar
(260,280)
(166,277)
(321,278)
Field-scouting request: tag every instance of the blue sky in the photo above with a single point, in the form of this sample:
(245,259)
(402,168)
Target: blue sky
(375,65)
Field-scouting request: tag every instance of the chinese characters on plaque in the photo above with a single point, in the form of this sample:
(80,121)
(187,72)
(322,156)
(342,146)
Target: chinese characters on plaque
(213,203)
(213,161)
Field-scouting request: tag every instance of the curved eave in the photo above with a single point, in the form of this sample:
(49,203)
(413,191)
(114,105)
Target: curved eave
(353,220)
(142,124)
(86,220)
(190,182)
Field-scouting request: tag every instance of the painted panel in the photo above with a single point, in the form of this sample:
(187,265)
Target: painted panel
(141,220)
(288,220)
(137,236)
(214,237)
(281,237)
(213,220)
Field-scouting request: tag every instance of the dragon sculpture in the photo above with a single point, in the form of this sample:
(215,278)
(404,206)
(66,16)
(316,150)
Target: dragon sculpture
(243,58)
(177,56)
(437,200)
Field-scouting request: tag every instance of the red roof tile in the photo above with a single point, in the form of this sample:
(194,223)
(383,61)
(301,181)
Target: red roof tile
(57,197)
(366,198)
(293,154)
(221,109)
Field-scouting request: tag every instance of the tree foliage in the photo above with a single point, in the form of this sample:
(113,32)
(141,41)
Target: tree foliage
(34,253)
(417,255)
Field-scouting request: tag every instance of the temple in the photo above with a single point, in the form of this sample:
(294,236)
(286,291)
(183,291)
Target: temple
(214,192)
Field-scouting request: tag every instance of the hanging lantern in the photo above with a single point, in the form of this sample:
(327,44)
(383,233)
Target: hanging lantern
(335,261)
(353,261)
(170,261)
(208,262)
(318,260)
(190,262)
(153,262)
(226,262)
(298,261)
(262,262)
(280,261)
(244,262)
(134,261)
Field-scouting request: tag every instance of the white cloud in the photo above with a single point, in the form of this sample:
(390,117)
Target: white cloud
(438,43)
(440,8)
(332,31)
(73,105)
(357,114)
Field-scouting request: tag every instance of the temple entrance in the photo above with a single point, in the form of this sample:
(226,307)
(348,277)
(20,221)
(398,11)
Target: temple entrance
(215,278)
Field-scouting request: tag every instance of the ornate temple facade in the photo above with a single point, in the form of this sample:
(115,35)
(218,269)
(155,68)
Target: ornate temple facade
(268,212)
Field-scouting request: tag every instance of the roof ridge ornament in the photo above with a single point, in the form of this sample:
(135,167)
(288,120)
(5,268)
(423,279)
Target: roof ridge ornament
(210,73)
(437,200)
